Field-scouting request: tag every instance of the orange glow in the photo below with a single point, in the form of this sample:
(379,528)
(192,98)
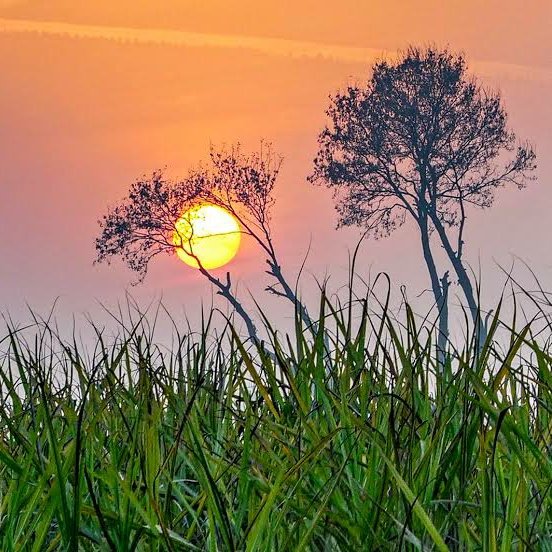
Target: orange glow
(95,94)
(207,233)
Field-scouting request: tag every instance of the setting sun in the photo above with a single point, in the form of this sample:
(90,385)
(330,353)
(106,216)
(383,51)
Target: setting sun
(207,233)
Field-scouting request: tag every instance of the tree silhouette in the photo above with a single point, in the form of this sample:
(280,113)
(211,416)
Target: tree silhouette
(244,185)
(144,224)
(421,140)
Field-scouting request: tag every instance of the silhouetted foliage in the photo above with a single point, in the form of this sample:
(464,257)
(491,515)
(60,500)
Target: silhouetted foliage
(143,225)
(420,139)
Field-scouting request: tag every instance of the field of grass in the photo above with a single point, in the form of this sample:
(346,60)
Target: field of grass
(349,439)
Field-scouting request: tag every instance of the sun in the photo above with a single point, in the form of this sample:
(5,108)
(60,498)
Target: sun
(208,233)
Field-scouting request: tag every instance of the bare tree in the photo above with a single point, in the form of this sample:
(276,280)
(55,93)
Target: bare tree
(244,186)
(145,223)
(421,140)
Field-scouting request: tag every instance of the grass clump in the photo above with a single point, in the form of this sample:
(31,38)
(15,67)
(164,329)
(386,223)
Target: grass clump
(354,439)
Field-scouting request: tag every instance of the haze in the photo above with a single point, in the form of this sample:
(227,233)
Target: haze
(93,98)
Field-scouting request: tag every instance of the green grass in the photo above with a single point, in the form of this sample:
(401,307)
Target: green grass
(352,439)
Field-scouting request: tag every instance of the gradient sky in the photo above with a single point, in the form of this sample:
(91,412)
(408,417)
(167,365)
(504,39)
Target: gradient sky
(91,98)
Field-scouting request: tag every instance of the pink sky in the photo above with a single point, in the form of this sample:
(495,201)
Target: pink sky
(91,99)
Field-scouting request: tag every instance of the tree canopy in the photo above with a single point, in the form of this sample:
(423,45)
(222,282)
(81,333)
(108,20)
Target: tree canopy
(143,224)
(421,136)
(421,139)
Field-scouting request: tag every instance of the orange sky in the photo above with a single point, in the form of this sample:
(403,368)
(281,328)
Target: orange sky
(92,98)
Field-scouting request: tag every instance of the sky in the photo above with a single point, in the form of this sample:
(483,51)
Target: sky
(93,97)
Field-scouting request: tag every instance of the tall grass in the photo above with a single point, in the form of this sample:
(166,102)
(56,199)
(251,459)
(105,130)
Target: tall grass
(352,440)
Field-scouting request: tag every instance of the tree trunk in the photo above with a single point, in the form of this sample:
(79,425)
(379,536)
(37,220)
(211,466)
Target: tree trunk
(443,337)
(289,294)
(463,280)
(440,291)
(225,291)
